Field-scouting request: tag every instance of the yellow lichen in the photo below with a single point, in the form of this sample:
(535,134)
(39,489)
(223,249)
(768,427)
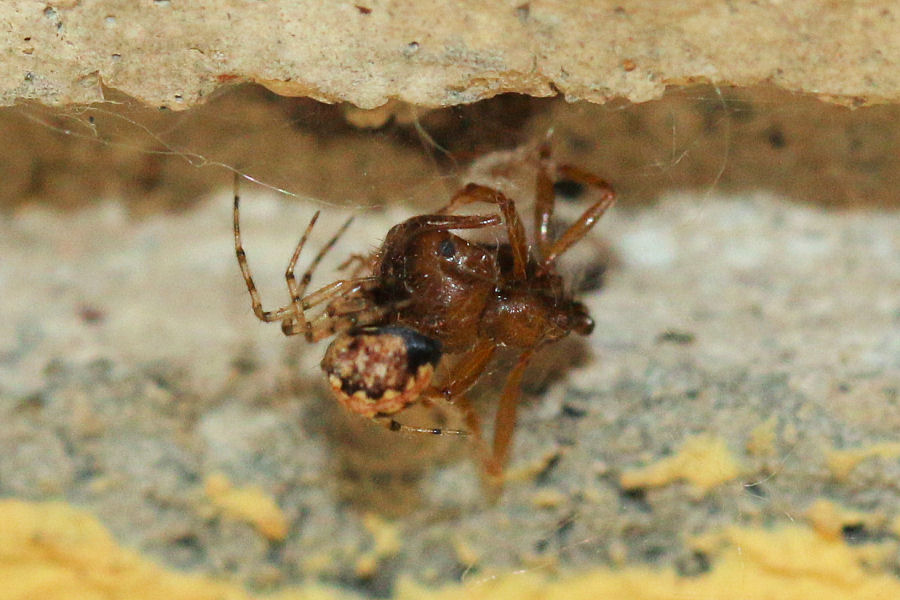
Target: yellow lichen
(528,471)
(53,551)
(249,504)
(316,563)
(366,566)
(704,461)
(761,441)
(465,553)
(829,519)
(385,543)
(384,533)
(791,563)
(895,526)
(548,498)
(842,462)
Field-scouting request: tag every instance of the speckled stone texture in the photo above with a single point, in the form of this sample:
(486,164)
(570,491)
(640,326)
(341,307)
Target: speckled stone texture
(439,53)
(131,368)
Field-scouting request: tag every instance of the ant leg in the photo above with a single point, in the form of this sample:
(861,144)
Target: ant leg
(587,220)
(474,192)
(505,421)
(283,313)
(584,177)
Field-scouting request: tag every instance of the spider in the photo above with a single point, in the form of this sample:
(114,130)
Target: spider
(426,293)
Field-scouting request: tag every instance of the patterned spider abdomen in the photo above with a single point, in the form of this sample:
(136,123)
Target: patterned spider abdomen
(380,370)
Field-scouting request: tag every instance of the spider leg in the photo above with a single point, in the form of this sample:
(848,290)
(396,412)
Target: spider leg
(467,370)
(326,325)
(587,220)
(296,290)
(464,375)
(545,198)
(364,263)
(333,293)
(442,222)
(280,314)
(394,425)
(337,289)
(474,192)
(505,421)
(345,305)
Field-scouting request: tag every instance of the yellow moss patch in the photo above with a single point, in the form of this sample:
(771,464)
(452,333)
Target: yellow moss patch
(842,462)
(704,461)
(249,504)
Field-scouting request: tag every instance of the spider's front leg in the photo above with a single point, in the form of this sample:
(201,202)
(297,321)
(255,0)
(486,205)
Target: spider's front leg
(475,192)
(299,303)
(546,197)
(285,313)
(347,307)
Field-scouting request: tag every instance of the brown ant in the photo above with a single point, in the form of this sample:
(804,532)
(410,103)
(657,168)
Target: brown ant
(428,292)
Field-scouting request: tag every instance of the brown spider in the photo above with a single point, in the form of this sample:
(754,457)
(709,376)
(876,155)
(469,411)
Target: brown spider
(428,292)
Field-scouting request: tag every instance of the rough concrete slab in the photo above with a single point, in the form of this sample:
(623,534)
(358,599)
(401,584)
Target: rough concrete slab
(438,53)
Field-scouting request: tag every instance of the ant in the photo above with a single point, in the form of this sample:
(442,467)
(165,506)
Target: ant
(426,293)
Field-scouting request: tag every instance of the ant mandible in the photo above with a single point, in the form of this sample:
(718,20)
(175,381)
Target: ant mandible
(427,292)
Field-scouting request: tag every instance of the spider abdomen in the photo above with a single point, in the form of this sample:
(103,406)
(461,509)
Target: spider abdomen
(380,370)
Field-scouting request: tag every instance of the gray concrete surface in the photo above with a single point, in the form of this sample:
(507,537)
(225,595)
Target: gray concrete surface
(131,368)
